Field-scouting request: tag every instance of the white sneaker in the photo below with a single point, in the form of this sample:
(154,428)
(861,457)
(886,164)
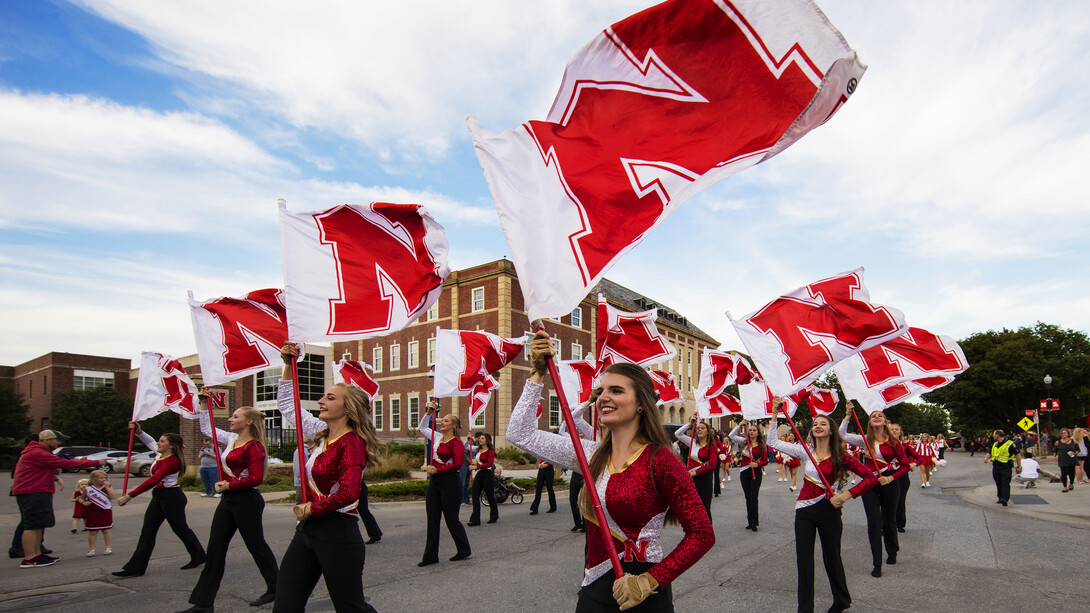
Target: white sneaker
(216,495)
(928,484)
(793,488)
(728,477)
(91,554)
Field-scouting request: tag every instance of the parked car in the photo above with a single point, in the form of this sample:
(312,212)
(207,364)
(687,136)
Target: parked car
(140,465)
(74,451)
(110,456)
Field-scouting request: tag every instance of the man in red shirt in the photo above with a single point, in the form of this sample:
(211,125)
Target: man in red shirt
(33,487)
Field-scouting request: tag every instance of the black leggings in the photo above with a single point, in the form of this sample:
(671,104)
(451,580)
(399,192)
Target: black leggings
(329,546)
(483,481)
(574,487)
(903,485)
(1067,475)
(167,503)
(544,479)
(238,510)
(703,485)
(751,486)
(824,520)
(369,522)
(880,505)
(443,498)
(598,596)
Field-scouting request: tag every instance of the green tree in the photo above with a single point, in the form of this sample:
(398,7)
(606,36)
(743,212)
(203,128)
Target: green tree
(101,417)
(14,423)
(915,418)
(1006,378)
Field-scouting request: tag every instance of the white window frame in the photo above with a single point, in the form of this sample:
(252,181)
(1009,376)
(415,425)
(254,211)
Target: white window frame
(479,422)
(431,351)
(376,413)
(376,359)
(413,357)
(554,411)
(414,411)
(433,312)
(395,356)
(577,351)
(577,317)
(475,292)
(395,414)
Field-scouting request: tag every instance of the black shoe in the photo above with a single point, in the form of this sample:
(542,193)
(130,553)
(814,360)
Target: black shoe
(1003,502)
(460,556)
(127,573)
(473,523)
(423,563)
(49,557)
(373,540)
(900,529)
(193,564)
(265,598)
(838,608)
(492,521)
(583,529)
(533,512)
(891,558)
(575,528)
(551,511)
(754,528)
(73,530)
(198,609)
(876,572)
(16,553)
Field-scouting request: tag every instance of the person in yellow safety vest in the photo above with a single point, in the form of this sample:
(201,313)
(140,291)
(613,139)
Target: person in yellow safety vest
(1002,453)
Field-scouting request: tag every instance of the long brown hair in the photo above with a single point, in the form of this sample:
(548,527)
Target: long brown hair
(836,451)
(177,447)
(650,432)
(358,407)
(871,435)
(257,431)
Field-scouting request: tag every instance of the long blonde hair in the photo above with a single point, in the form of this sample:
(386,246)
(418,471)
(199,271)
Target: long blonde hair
(257,431)
(358,407)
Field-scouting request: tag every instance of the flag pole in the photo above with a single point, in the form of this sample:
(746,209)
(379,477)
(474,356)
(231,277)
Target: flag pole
(809,453)
(304,485)
(215,439)
(128,462)
(584,467)
(865,441)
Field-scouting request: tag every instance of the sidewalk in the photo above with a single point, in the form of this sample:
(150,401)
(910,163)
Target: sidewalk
(1047,500)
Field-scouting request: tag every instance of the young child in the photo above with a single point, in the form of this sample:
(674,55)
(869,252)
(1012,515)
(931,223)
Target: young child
(77,512)
(98,511)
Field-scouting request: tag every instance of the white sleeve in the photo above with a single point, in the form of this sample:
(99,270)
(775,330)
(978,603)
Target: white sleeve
(851,439)
(794,450)
(222,437)
(423,428)
(683,438)
(581,424)
(285,402)
(734,436)
(522,432)
(147,440)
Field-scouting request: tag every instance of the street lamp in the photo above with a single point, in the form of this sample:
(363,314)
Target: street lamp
(1048,406)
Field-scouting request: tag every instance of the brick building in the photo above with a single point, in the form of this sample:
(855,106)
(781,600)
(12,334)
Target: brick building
(45,379)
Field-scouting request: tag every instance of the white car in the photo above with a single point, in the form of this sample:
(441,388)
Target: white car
(141,463)
(110,456)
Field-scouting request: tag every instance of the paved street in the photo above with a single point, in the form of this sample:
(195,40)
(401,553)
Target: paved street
(962,552)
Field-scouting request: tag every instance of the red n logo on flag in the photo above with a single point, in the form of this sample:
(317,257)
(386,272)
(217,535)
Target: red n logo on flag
(246,324)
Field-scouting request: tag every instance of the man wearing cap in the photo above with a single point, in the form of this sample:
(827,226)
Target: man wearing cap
(33,487)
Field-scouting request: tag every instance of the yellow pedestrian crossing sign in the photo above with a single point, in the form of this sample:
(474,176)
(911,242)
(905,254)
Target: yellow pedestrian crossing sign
(1026,424)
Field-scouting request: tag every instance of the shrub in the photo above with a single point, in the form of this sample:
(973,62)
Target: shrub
(191,482)
(529,484)
(512,454)
(415,452)
(393,490)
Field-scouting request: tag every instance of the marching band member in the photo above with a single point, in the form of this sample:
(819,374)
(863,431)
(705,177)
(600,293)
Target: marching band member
(815,512)
(241,506)
(904,482)
(327,538)
(485,464)
(791,464)
(443,498)
(701,461)
(167,502)
(726,455)
(751,470)
(927,453)
(880,503)
(641,483)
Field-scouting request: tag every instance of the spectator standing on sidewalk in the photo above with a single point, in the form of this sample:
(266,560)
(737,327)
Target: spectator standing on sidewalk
(33,486)
(1001,455)
(1066,450)
(209,472)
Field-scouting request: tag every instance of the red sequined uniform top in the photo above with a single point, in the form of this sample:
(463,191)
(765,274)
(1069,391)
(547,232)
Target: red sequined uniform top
(334,470)
(913,457)
(890,456)
(486,459)
(635,508)
(700,458)
(247,462)
(446,457)
(756,451)
(164,473)
(813,490)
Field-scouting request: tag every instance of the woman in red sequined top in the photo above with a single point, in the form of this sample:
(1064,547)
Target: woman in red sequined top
(703,452)
(817,510)
(443,498)
(241,505)
(642,485)
(752,461)
(484,463)
(327,540)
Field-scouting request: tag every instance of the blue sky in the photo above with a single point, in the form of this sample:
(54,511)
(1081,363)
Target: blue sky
(143,147)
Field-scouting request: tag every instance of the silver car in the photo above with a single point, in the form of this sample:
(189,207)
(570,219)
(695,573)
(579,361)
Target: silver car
(140,465)
(110,456)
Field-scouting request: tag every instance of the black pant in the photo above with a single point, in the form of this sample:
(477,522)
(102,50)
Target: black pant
(329,546)
(443,498)
(544,479)
(880,505)
(715,478)
(824,519)
(238,510)
(574,487)
(1067,475)
(903,485)
(751,486)
(598,596)
(483,481)
(1001,474)
(166,503)
(703,485)
(369,522)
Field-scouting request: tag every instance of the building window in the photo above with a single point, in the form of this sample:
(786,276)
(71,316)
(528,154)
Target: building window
(479,422)
(45,385)
(414,354)
(414,410)
(376,413)
(395,413)
(577,317)
(376,359)
(395,357)
(311,377)
(433,312)
(84,380)
(431,351)
(554,411)
(45,423)
(478,299)
(576,351)
(273,420)
(265,384)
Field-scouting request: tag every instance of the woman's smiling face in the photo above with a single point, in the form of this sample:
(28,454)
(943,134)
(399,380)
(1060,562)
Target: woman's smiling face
(617,404)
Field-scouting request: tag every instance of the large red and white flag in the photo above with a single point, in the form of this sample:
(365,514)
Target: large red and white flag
(238,336)
(800,335)
(163,385)
(360,270)
(577,378)
(629,337)
(656,108)
(355,373)
(819,401)
(665,386)
(756,399)
(479,397)
(719,370)
(465,361)
(911,364)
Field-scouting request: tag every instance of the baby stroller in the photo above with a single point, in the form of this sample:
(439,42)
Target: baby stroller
(504,490)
